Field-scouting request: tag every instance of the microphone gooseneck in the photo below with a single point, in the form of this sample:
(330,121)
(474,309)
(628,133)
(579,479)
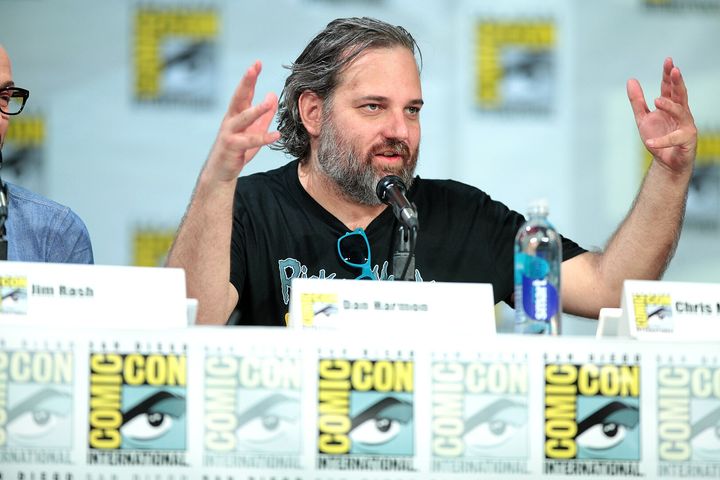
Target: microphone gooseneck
(391,191)
(3,213)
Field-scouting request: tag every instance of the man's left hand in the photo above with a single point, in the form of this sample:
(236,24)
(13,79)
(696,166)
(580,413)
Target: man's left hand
(669,132)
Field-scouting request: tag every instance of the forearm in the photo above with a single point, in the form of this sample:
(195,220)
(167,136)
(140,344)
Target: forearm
(202,245)
(643,245)
(645,242)
(640,249)
(202,248)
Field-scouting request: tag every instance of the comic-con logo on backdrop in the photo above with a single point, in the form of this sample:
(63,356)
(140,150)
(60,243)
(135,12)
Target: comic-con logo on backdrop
(365,414)
(479,417)
(703,201)
(137,409)
(175,55)
(592,417)
(36,405)
(252,411)
(150,245)
(515,65)
(23,151)
(688,418)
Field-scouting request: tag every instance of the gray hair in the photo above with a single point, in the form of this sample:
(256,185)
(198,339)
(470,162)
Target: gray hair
(319,66)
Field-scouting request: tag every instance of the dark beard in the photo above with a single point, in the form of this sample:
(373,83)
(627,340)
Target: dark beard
(356,179)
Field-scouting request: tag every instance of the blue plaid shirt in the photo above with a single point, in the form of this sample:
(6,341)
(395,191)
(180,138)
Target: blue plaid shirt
(40,230)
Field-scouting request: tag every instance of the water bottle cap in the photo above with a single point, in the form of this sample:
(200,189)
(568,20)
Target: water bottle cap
(539,206)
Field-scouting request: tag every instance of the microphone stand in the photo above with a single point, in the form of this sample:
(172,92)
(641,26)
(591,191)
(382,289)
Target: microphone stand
(3,216)
(391,191)
(404,256)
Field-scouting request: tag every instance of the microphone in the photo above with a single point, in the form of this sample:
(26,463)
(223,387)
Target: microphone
(391,191)
(3,213)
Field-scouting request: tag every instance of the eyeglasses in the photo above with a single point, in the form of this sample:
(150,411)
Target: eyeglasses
(354,250)
(12,100)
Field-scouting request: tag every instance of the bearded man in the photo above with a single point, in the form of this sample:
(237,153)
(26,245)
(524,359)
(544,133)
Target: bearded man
(350,115)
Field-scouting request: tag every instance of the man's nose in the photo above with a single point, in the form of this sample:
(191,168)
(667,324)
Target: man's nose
(396,126)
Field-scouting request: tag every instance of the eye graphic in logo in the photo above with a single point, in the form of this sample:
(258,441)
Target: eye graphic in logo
(13,294)
(384,427)
(498,428)
(705,437)
(322,308)
(659,316)
(610,432)
(270,425)
(527,79)
(155,422)
(658,312)
(42,419)
(13,300)
(188,67)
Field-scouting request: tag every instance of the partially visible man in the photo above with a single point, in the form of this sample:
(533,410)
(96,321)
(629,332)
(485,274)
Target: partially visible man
(350,114)
(36,229)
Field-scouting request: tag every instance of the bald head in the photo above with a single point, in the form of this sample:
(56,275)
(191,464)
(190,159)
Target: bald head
(5,68)
(5,81)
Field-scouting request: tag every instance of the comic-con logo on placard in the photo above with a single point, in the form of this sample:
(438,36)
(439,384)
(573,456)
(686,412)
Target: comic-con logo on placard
(592,419)
(13,294)
(175,55)
(689,419)
(515,65)
(365,414)
(653,312)
(36,405)
(317,305)
(252,412)
(137,410)
(479,417)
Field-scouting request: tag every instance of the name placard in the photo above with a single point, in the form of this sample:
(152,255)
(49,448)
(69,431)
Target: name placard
(92,295)
(681,310)
(323,303)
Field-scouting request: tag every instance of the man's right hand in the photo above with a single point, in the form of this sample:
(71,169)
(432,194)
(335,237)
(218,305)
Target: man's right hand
(202,245)
(243,131)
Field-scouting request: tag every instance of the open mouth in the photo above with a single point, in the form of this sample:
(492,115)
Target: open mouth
(393,153)
(389,156)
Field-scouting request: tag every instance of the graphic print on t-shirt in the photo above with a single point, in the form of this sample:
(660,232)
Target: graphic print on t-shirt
(291,268)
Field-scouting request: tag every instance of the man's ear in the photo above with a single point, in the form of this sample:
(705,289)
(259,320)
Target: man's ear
(310,106)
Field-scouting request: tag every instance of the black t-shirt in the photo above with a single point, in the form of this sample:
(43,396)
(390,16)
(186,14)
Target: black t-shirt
(280,232)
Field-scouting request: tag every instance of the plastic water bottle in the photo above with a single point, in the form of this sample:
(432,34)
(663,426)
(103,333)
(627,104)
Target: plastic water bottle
(538,255)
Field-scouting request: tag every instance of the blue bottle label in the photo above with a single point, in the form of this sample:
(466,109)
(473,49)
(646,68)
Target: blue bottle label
(539,297)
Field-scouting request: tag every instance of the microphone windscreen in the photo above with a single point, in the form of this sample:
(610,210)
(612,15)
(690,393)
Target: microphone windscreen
(386,182)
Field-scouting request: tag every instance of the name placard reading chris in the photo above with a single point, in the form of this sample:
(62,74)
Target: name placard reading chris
(689,311)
